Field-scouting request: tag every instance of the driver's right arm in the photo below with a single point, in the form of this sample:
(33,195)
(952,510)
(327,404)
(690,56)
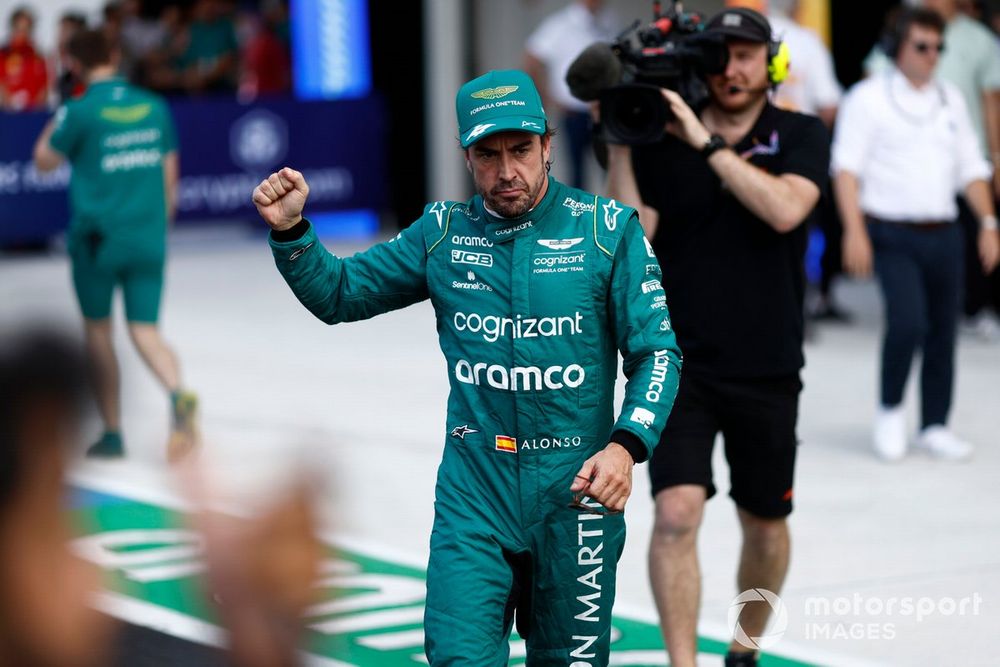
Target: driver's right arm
(385,277)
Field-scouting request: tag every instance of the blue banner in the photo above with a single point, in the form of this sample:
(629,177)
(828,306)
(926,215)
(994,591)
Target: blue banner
(330,50)
(226,149)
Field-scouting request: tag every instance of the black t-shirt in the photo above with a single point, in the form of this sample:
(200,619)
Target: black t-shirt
(734,285)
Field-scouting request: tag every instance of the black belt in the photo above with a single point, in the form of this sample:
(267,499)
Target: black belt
(922,225)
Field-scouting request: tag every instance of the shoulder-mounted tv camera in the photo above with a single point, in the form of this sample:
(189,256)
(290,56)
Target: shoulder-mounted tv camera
(625,76)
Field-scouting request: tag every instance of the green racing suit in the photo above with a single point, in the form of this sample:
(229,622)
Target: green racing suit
(531,313)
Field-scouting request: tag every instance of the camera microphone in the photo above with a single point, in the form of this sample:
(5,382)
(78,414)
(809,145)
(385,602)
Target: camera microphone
(594,70)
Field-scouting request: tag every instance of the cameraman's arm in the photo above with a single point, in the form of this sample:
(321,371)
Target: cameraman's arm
(621,185)
(783,202)
(538,72)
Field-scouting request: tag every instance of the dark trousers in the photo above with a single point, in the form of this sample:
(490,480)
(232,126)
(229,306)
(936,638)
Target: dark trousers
(920,272)
(981,291)
(578,130)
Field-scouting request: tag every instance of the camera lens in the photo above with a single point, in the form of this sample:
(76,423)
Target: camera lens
(634,114)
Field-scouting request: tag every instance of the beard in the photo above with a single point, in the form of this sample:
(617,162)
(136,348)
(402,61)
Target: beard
(511,207)
(736,104)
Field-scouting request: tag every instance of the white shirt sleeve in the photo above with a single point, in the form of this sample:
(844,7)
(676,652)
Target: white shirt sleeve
(854,131)
(971,165)
(544,42)
(826,89)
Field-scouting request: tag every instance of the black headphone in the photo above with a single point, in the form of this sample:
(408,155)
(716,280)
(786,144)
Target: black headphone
(895,32)
(778,55)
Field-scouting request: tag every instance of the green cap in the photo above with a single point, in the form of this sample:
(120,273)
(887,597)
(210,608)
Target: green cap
(498,101)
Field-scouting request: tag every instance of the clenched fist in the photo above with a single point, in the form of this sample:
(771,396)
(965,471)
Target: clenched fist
(281,197)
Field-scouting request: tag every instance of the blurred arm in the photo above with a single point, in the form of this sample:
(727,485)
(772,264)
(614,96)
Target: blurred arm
(536,69)
(46,158)
(621,185)
(845,190)
(171,176)
(991,117)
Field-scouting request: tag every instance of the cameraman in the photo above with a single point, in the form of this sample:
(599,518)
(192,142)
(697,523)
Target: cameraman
(724,197)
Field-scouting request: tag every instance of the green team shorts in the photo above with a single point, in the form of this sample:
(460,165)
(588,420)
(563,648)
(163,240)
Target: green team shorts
(99,266)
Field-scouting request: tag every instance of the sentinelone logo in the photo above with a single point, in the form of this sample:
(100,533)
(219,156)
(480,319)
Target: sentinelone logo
(369,610)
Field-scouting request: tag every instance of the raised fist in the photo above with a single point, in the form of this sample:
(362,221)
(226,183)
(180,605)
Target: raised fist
(281,197)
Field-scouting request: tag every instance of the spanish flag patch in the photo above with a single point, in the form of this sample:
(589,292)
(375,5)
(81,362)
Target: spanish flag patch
(505,443)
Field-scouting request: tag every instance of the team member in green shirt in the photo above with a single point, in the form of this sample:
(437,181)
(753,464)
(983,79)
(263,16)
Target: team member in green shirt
(121,144)
(536,287)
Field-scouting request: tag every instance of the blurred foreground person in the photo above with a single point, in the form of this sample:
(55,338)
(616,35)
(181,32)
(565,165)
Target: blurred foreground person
(121,144)
(904,147)
(261,571)
(536,287)
(45,590)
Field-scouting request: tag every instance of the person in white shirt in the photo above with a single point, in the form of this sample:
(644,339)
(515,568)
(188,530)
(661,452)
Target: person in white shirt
(971,62)
(903,148)
(549,52)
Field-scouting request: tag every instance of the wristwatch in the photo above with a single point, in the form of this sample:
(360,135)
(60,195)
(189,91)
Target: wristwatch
(714,143)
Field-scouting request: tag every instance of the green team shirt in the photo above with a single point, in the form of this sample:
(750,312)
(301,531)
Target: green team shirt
(115,137)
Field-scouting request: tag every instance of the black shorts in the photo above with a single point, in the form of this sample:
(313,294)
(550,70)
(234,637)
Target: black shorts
(757,419)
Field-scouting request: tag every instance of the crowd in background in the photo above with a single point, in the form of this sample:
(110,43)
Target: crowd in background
(191,47)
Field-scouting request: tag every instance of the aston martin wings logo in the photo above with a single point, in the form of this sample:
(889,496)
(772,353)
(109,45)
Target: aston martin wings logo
(494,93)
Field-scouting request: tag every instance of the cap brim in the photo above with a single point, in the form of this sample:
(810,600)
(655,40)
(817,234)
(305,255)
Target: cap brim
(736,33)
(531,124)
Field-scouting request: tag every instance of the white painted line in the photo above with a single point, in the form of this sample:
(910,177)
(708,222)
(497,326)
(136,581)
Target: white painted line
(370,621)
(148,615)
(164,572)
(392,641)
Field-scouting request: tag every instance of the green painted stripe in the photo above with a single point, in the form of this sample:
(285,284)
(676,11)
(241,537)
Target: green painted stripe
(370,608)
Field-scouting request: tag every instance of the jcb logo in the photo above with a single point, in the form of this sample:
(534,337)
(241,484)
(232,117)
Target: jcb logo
(474,258)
